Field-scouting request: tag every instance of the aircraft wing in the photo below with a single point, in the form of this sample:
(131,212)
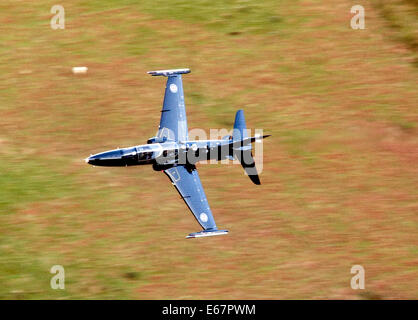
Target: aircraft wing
(173,122)
(187,183)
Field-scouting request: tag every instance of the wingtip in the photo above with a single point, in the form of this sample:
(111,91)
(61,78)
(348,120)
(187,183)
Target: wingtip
(204,233)
(169,72)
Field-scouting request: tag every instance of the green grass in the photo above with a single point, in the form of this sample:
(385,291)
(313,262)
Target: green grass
(231,17)
(29,179)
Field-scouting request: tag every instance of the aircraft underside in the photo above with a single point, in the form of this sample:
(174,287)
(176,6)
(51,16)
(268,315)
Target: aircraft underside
(171,151)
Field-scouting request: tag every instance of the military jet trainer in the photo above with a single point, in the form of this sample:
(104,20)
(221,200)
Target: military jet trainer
(173,153)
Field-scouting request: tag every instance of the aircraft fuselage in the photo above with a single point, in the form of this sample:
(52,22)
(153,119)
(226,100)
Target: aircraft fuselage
(164,155)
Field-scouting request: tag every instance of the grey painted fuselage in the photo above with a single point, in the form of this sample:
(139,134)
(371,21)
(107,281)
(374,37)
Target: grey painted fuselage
(166,154)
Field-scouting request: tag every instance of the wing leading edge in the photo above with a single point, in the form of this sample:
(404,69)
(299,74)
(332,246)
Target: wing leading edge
(188,185)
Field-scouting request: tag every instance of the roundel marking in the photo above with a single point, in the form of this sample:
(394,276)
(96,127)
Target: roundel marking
(173,88)
(203,217)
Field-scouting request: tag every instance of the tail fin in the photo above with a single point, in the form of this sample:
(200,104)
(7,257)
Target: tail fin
(242,147)
(240,128)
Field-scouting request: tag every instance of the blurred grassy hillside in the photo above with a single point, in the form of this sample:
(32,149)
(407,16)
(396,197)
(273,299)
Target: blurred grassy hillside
(340,174)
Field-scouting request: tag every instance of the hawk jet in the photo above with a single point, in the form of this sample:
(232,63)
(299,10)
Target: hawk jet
(173,153)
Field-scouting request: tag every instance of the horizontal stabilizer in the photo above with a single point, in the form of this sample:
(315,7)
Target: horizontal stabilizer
(204,233)
(238,145)
(169,72)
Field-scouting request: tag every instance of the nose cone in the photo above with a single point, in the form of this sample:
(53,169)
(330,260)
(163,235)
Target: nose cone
(89,160)
(113,158)
(93,160)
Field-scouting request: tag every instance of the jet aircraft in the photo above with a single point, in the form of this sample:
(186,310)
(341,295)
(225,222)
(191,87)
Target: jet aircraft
(173,153)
